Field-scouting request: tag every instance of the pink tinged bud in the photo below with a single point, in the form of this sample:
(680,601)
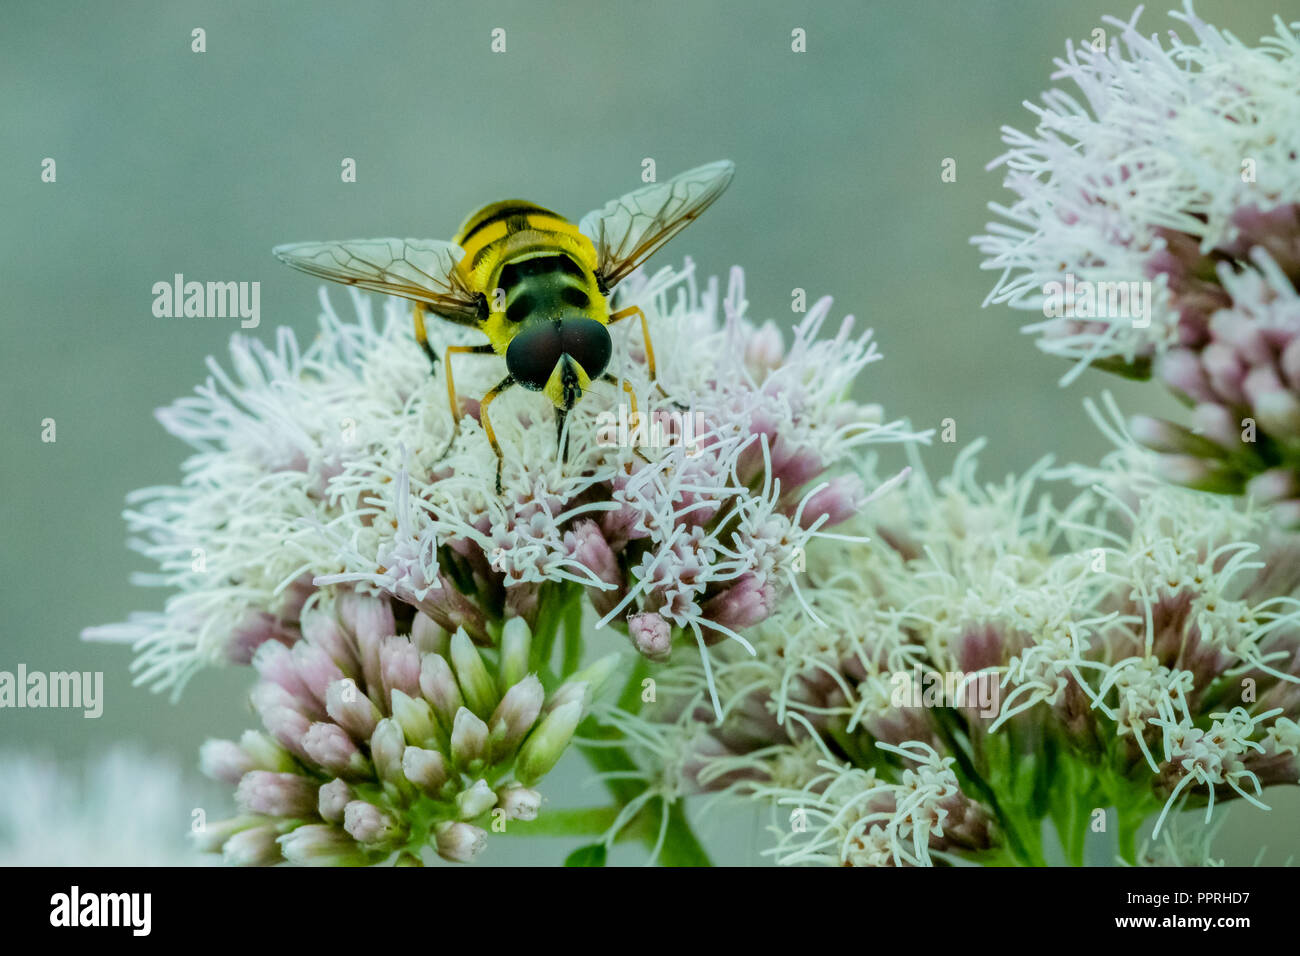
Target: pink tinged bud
(1276,409)
(367,824)
(1181,370)
(371,620)
(588,546)
(460,842)
(475,801)
(475,684)
(351,709)
(516,713)
(1160,435)
(415,717)
(386,746)
(321,629)
(794,464)
(546,744)
(840,500)
(469,737)
(214,836)
(1217,424)
(1225,371)
(428,637)
(275,663)
(253,631)
(276,794)
(316,669)
(744,604)
(333,750)
(287,726)
(651,635)
(369,617)
(1243,334)
(332,799)
(439,687)
(425,768)
(1274,485)
(256,846)
(265,753)
(320,844)
(519,803)
(224,760)
(399,664)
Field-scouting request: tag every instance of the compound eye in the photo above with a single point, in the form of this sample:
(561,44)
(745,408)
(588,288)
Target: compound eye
(588,342)
(532,355)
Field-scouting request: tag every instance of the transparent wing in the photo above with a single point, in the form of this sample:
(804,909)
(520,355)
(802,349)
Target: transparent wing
(627,231)
(419,269)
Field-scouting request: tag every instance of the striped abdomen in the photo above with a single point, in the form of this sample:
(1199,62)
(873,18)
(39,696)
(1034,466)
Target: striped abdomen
(530,263)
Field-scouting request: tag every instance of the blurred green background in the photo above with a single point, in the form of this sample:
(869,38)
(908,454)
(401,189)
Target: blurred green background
(173,161)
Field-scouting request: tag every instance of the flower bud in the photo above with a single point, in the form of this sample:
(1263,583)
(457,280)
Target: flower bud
(415,717)
(332,799)
(475,801)
(256,846)
(519,803)
(386,746)
(367,824)
(438,685)
(516,645)
(472,675)
(351,709)
(460,842)
(545,745)
(320,844)
(427,769)
(469,736)
(516,713)
(276,794)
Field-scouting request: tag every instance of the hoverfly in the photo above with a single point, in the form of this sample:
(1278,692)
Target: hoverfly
(536,285)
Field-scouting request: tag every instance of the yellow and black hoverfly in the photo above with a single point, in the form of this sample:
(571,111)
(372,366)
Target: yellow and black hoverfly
(536,285)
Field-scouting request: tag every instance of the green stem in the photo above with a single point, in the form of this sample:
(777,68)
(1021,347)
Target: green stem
(580,821)
(680,846)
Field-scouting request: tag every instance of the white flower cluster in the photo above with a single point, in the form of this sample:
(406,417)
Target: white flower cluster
(1146,629)
(1163,146)
(340,465)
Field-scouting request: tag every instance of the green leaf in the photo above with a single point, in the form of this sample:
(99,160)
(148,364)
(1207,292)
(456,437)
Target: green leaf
(593,855)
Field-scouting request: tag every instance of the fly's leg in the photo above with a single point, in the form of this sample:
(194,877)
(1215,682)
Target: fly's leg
(451,384)
(422,335)
(631,399)
(630,311)
(488,399)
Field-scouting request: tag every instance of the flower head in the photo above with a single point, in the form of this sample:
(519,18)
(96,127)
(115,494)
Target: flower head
(380,741)
(985,640)
(1171,168)
(339,469)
